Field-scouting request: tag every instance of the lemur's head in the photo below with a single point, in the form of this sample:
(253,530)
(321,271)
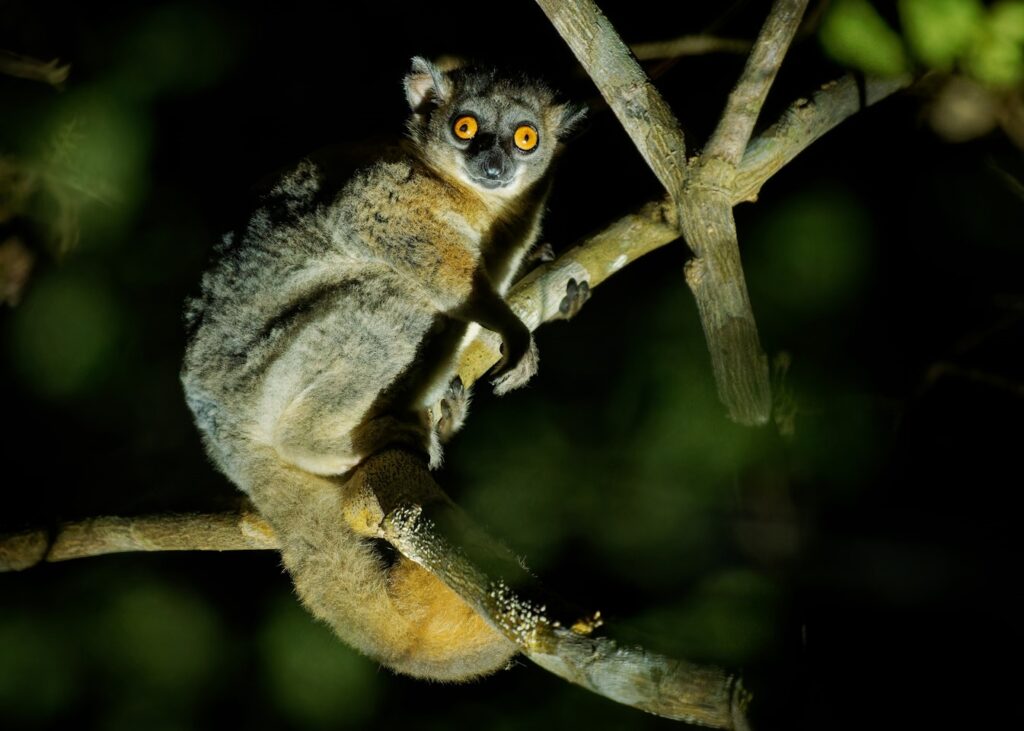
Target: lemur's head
(495,132)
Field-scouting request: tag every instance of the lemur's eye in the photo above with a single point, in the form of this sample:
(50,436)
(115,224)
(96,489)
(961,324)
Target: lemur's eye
(465,127)
(525,137)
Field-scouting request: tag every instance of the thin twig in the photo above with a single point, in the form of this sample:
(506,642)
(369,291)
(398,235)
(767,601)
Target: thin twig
(636,103)
(939,371)
(26,67)
(627,674)
(730,138)
(694,45)
(233,531)
(804,122)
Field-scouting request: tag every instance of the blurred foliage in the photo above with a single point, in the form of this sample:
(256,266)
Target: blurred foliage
(81,167)
(315,681)
(80,163)
(813,251)
(39,673)
(64,336)
(729,616)
(94,153)
(940,31)
(160,641)
(855,35)
(173,48)
(153,648)
(986,43)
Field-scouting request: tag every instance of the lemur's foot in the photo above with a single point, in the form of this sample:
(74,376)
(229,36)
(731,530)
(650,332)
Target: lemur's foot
(542,254)
(520,373)
(454,408)
(575,296)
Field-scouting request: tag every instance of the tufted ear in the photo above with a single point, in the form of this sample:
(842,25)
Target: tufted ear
(425,84)
(572,115)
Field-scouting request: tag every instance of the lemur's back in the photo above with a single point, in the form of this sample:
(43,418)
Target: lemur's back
(297,299)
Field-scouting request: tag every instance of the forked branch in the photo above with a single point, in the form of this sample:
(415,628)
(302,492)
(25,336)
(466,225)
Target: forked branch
(700,188)
(694,45)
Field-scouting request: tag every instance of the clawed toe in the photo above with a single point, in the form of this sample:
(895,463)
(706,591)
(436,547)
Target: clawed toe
(575,295)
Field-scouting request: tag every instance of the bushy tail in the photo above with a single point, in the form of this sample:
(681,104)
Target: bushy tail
(392,610)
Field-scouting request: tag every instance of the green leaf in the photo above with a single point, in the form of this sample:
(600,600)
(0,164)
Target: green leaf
(996,57)
(855,35)
(995,61)
(939,31)
(1006,20)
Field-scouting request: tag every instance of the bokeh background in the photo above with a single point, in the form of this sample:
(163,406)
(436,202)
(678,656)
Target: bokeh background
(857,561)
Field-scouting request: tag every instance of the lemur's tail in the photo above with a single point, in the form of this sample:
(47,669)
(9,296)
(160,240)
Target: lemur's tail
(384,605)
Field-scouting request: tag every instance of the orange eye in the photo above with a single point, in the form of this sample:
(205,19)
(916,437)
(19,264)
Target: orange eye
(465,127)
(525,137)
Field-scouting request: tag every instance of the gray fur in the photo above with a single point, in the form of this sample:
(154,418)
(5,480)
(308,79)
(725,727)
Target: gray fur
(329,327)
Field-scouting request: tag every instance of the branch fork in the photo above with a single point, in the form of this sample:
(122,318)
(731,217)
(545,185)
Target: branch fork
(701,189)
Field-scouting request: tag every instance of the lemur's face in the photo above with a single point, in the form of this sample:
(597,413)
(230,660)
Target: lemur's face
(496,134)
(497,142)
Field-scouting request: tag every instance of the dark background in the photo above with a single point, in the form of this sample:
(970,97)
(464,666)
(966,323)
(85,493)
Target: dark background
(860,572)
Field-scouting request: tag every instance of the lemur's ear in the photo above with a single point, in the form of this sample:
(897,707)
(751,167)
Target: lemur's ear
(425,84)
(573,114)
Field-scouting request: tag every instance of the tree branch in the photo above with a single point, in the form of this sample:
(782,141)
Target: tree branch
(730,138)
(630,675)
(715,274)
(244,530)
(644,115)
(803,123)
(26,67)
(688,46)
(700,189)
(627,674)
(536,298)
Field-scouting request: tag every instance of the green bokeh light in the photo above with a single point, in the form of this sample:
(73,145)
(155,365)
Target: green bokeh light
(65,334)
(314,679)
(160,641)
(939,31)
(530,501)
(95,148)
(996,57)
(175,48)
(809,252)
(39,670)
(855,35)
(1006,19)
(729,618)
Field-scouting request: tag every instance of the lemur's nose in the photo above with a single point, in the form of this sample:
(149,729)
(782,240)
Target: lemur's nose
(494,165)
